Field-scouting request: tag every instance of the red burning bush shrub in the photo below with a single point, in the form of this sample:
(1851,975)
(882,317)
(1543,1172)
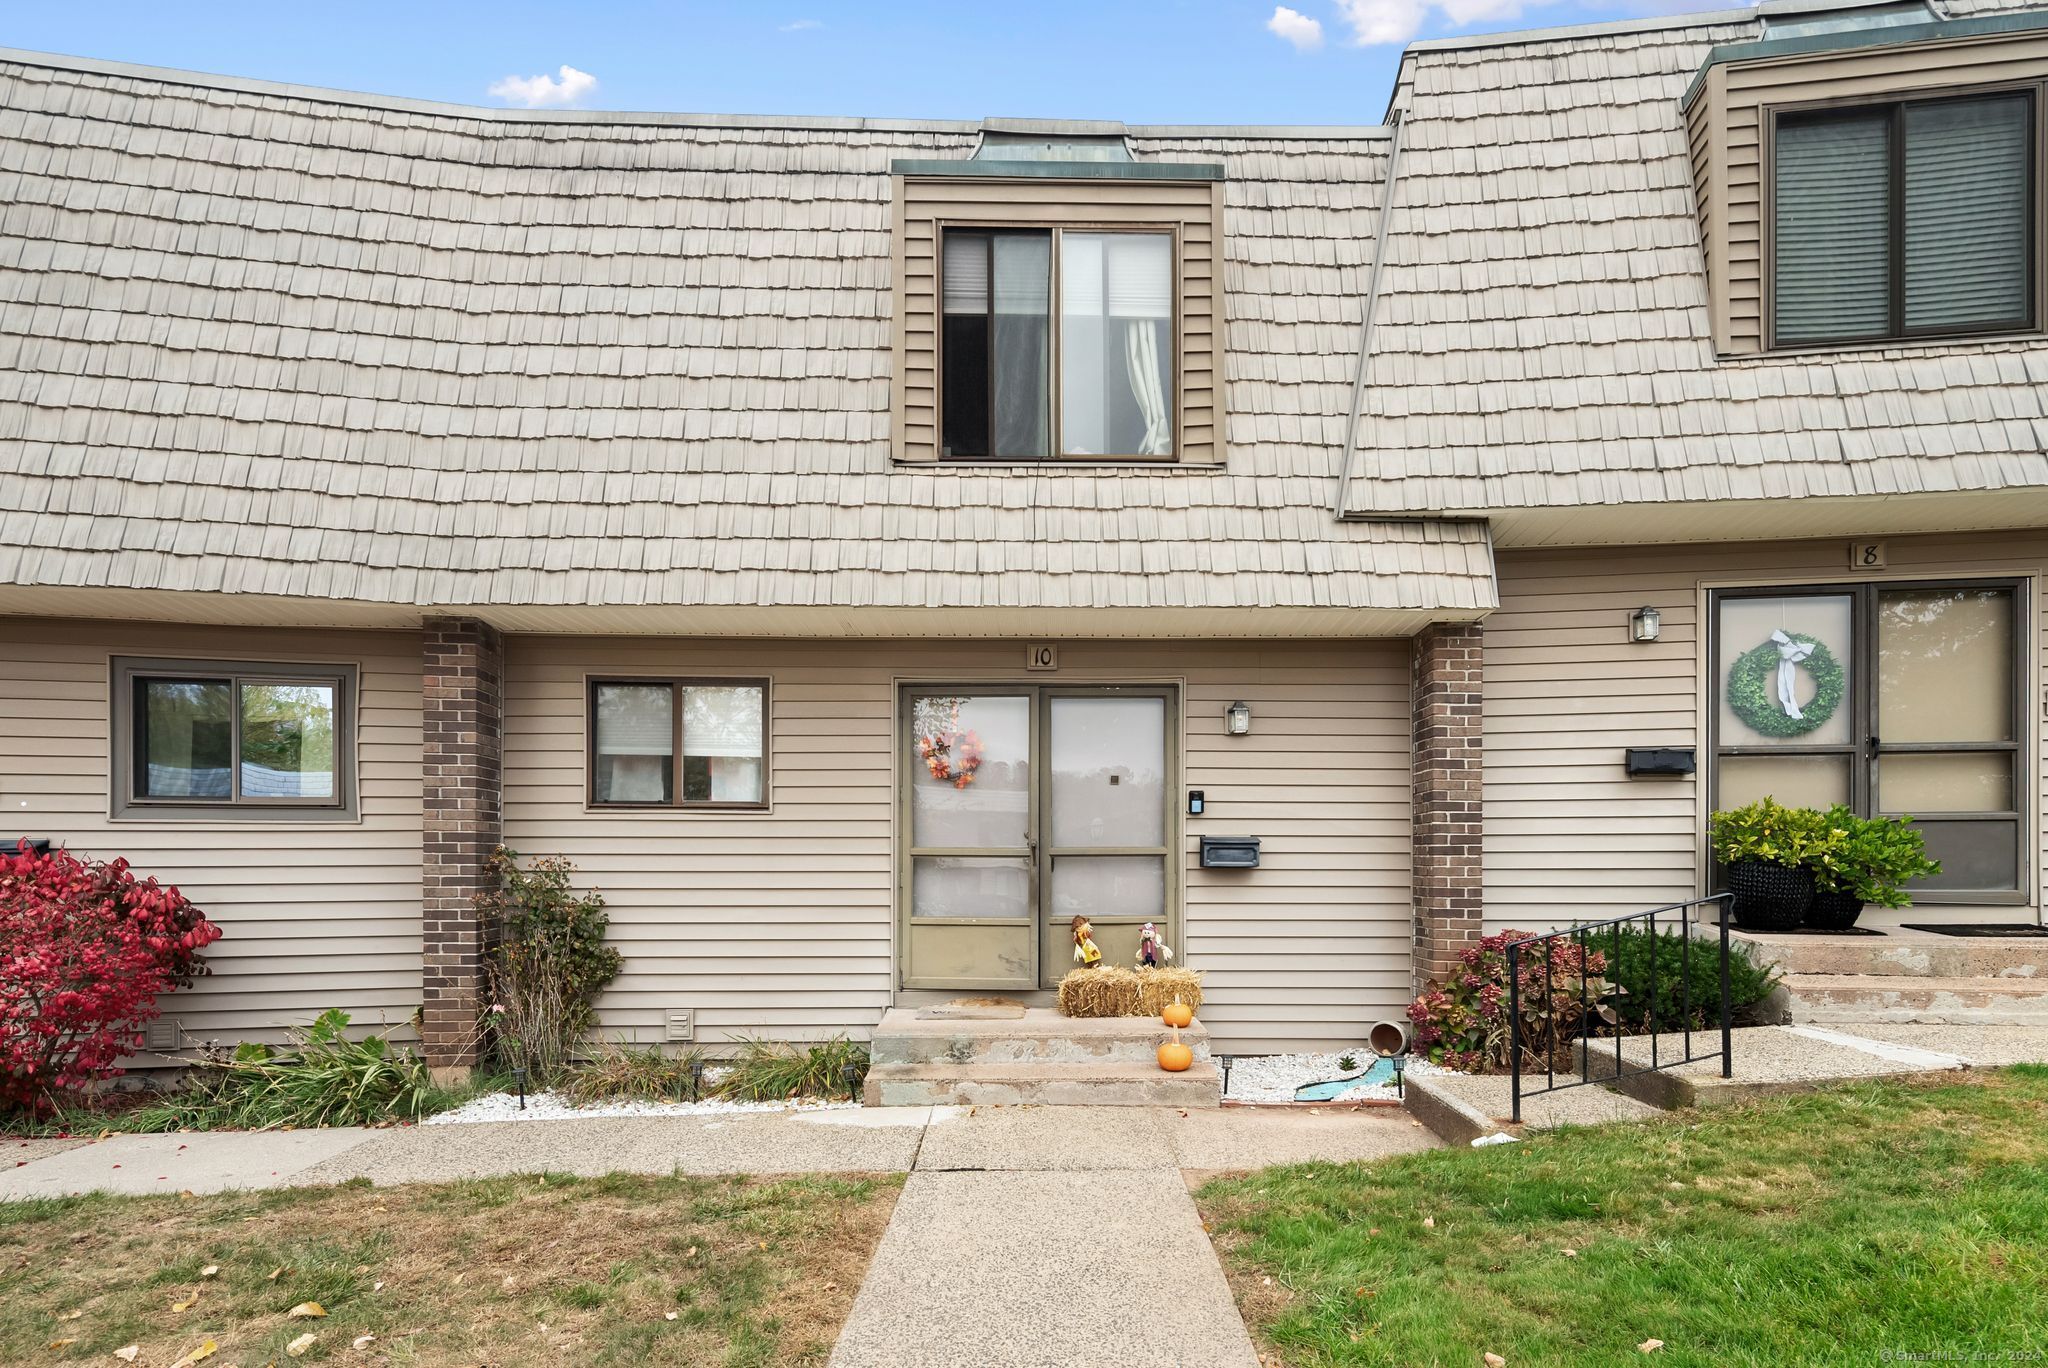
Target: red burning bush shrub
(1462,1023)
(85,951)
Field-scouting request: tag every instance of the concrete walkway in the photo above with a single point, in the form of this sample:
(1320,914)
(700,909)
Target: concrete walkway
(1024,1236)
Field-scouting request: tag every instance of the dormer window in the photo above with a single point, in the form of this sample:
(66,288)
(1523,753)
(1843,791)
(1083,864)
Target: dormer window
(1058,301)
(1908,219)
(1057,341)
(1871,176)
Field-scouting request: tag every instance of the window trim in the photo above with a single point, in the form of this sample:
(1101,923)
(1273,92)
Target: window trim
(1863,596)
(2036,317)
(1054,377)
(592,683)
(126,804)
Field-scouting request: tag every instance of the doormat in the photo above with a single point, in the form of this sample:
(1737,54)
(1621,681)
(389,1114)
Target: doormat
(1979,929)
(1790,931)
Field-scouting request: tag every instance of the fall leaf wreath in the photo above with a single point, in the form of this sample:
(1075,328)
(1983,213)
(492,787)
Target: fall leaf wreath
(952,755)
(1752,690)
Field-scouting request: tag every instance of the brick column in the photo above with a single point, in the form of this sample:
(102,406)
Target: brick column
(462,823)
(1446,768)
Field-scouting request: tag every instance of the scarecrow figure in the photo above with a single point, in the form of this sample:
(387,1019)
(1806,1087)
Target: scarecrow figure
(1085,952)
(1153,953)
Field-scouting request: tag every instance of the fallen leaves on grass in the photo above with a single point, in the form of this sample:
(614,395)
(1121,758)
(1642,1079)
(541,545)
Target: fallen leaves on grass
(306,1311)
(210,1271)
(186,1305)
(127,1352)
(1650,1346)
(298,1347)
(205,1351)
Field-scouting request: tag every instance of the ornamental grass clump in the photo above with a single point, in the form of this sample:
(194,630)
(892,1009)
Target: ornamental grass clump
(547,963)
(86,949)
(323,1078)
(625,1073)
(769,1071)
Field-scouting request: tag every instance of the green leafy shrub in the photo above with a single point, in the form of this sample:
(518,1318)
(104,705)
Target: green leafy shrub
(1868,858)
(1766,830)
(1634,955)
(621,1073)
(548,962)
(322,1078)
(767,1071)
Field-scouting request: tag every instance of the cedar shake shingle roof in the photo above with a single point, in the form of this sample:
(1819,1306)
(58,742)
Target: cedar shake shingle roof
(1542,337)
(266,341)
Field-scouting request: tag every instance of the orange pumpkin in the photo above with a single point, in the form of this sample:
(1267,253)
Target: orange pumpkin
(1175,1057)
(1177,1013)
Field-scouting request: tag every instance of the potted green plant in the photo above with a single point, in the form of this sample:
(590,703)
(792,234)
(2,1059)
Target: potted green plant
(1763,847)
(1857,861)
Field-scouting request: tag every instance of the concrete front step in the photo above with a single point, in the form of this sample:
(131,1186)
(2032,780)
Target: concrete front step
(1111,1084)
(1920,954)
(1041,1035)
(1846,999)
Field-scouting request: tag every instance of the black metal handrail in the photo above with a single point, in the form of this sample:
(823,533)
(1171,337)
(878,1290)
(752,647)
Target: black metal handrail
(1583,1035)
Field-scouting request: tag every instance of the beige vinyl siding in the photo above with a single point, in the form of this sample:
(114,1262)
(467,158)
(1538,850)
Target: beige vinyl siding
(1728,125)
(1193,209)
(1569,836)
(781,923)
(317,914)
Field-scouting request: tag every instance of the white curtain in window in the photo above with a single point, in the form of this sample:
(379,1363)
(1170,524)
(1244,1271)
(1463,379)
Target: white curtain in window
(722,726)
(1966,211)
(1116,306)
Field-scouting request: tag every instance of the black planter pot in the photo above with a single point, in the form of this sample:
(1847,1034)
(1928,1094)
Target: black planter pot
(1769,897)
(1834,911)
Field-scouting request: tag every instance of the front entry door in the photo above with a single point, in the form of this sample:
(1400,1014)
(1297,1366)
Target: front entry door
(1023,808)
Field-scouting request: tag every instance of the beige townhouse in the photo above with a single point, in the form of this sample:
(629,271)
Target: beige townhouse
(862,546)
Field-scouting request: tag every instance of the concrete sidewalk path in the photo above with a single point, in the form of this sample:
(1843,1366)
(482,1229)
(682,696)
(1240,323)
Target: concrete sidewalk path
(863,1140)
(1049,1269)
(133,1165)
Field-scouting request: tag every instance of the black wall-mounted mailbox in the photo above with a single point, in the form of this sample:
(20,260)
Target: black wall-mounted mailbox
(1230,852)
(1660,760)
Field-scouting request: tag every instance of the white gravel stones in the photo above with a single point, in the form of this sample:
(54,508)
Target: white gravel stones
(1273,1078)
(546,1106)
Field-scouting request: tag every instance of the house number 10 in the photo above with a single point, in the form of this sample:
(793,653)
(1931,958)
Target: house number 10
(1042,657)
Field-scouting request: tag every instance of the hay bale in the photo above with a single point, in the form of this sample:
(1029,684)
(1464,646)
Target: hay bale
(1116,992)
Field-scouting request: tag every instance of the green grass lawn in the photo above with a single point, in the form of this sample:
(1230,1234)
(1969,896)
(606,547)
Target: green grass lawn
(1825,1228)
(697,1272)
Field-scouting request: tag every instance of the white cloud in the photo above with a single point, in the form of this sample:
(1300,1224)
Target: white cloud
(1297,28)
(799,25)
(1396,21)
(537,92)
(1383,21)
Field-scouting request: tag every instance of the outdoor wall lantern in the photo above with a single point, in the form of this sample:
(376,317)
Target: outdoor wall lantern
(1643,623)
(1237,719)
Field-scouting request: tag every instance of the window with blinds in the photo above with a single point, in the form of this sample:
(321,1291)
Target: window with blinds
(1902,220)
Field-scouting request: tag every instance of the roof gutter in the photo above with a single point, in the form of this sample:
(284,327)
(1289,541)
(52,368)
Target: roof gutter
(1372,300)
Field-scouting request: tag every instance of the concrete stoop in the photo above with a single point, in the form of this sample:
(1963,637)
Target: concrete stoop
(1907,977)
(1035,1056)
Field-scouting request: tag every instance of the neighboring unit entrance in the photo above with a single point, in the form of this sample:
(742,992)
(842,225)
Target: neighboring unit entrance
(1023,807)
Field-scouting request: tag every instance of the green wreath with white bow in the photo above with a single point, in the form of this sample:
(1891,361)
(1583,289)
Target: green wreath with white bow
(1759,686)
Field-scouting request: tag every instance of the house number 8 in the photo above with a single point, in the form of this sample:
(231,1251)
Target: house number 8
(1866,555)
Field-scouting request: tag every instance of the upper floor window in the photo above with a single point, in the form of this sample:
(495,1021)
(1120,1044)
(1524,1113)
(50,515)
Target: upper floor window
(1057,342)
(209,738)
(1904,220)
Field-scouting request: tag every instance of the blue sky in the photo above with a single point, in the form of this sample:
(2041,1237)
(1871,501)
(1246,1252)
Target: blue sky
(1143,61)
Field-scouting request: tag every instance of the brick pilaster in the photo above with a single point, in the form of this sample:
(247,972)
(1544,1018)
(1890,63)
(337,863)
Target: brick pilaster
(1447,770)
(462,819)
